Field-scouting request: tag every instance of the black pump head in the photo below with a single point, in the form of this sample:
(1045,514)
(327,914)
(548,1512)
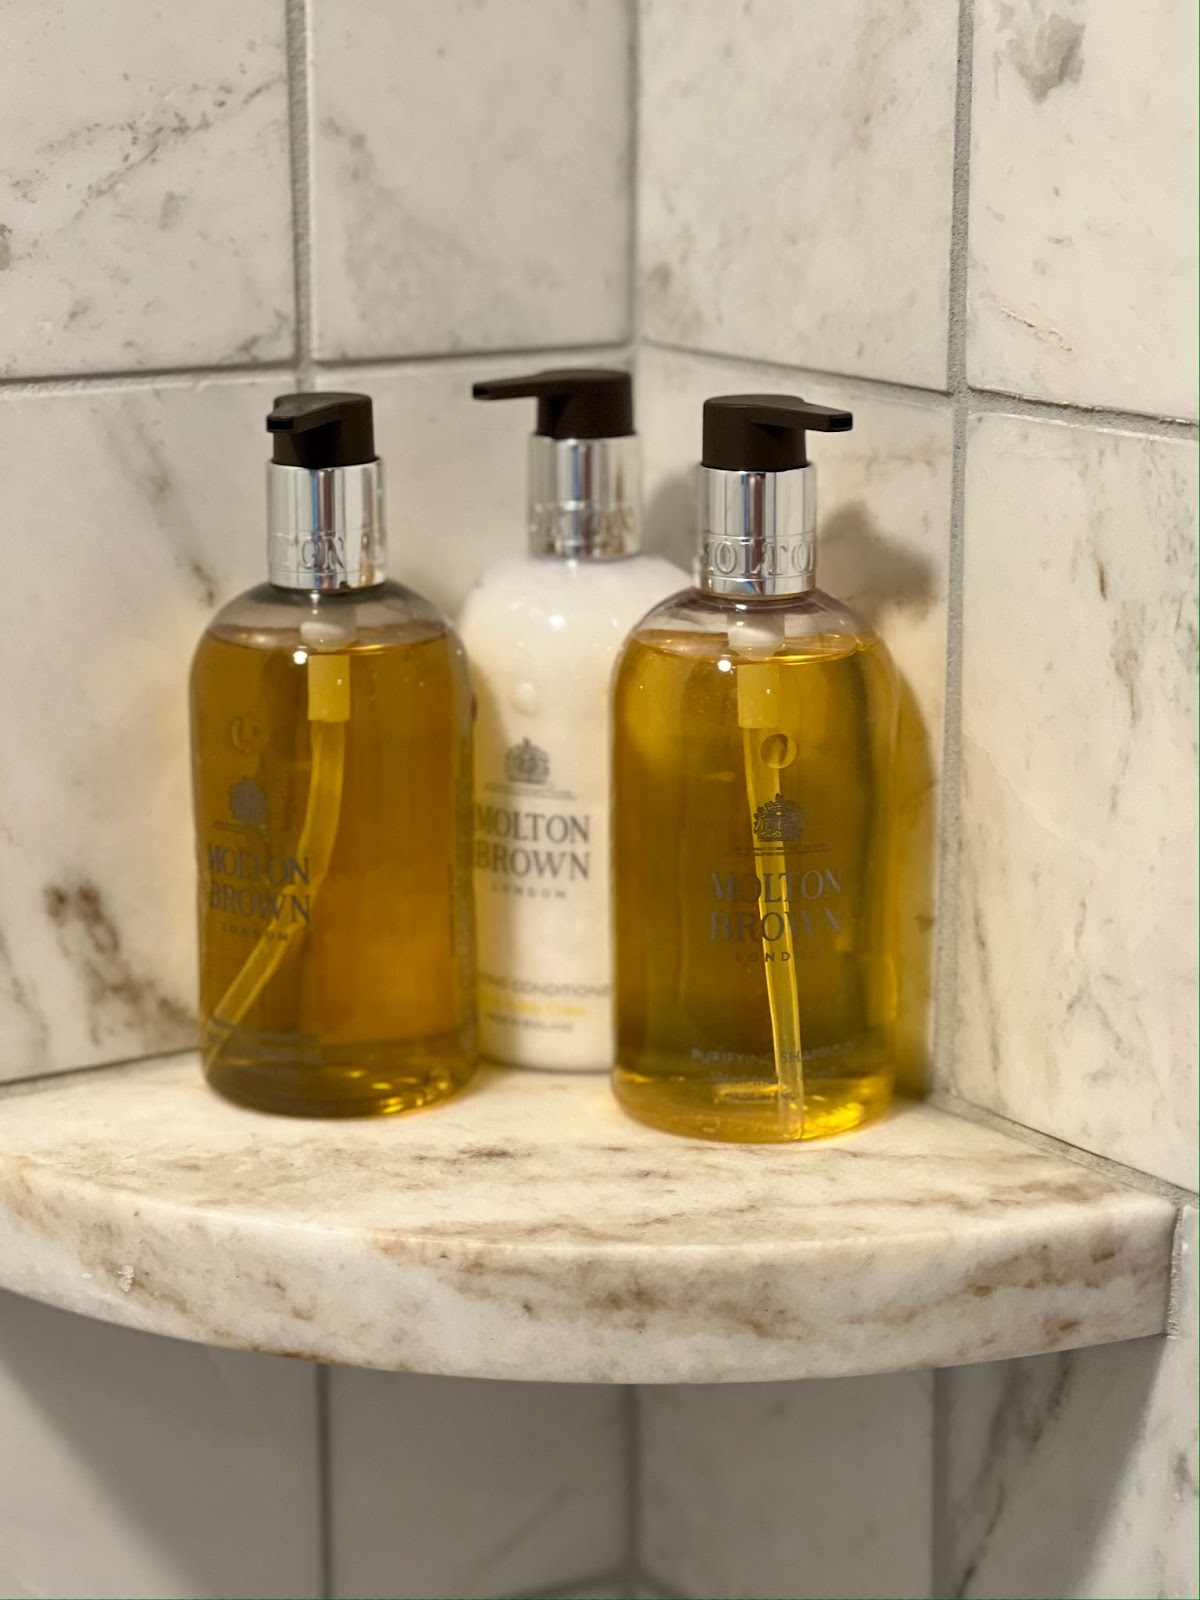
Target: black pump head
(573,402)
(322,429)
(764,432)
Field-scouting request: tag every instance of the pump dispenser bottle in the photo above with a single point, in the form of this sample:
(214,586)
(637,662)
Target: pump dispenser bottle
(330,715)
(754,729)
(542,632)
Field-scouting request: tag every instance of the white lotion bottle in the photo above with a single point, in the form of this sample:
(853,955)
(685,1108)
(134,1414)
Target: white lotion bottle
(542,633)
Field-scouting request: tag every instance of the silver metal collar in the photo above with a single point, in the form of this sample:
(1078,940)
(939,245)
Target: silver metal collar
(757,532)
(584,497)
(325,527)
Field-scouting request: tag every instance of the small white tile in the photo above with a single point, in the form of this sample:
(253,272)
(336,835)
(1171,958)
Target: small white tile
(883,528)
(1077,1474)
(1077,906)
(145,198)
(1082,278)
(133,512)
(455,472)
(794,181)
(472,168)
(464,1488)
(789,1489)
(136,1466)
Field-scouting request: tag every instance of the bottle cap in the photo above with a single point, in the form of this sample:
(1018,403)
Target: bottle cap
(758,501)
(583,460)
(324,494)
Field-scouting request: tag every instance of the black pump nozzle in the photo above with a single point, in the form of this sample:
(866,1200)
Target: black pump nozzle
(573,402)
(764,432)
(322,429)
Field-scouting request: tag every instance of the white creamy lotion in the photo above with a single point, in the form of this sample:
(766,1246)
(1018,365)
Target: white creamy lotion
(542,633)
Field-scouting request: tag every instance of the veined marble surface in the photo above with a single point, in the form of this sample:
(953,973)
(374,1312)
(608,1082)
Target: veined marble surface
(883,547)
(1077,907)
(471,175)
(529,1230)
(145,196)
(794,181)
(1082,276)
(1076,1474)
(141,509)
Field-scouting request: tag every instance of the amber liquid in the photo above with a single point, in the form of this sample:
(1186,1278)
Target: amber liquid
(359,997)
(704,902)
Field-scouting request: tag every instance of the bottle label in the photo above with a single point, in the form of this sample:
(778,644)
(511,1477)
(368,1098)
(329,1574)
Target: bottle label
(541,881)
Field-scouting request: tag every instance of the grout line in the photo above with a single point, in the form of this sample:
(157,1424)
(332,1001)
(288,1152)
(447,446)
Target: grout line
(886,386)
(149,378)
(949,793)
(433,358)
(299,72)
(635,172)
(50,1078)
(324,1484)
(633,1486)
(950,807)
(985,402)
(1128,1177)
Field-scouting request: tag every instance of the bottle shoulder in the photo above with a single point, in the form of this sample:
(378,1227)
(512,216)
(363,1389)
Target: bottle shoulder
(552,595)
(270,618)
(818,620)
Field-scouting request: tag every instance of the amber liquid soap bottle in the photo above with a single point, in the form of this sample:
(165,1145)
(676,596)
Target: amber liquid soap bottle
(754,727)
(330,717)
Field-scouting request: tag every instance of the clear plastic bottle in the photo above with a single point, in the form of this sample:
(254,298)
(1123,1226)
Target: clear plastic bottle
(330,714)
(754,727)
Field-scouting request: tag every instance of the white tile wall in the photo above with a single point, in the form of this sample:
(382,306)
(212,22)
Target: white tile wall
(1077,1474)
(145,210)
(794,181)
(135,1466)
(461,1488)
(1083,203)
(139,509)
(793,1490)
(883,522)
(1077,935)
(472,174)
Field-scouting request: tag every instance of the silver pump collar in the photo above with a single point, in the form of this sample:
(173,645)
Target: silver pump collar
(584,497)
(757,532)
(325,527)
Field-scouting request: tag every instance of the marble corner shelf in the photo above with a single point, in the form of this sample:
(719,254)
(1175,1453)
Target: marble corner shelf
(528,1230)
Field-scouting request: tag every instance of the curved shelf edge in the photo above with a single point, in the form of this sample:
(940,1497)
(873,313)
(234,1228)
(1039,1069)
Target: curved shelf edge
(528,1230)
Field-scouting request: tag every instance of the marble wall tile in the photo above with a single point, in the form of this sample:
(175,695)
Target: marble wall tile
(883,525)
(789,1489)
(472,174)
(1082,277)
(455,468)
(1077,905)
(145,201)
(137,1466)
(134,512)
(461,1487)
(1076,1474)
(794,181)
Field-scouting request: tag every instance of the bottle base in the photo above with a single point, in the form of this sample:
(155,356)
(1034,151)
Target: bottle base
(690,1107)
(346,1081)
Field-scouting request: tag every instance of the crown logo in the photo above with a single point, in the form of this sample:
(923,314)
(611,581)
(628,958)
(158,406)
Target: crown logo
(779,821)
(247,803)
(525,763)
